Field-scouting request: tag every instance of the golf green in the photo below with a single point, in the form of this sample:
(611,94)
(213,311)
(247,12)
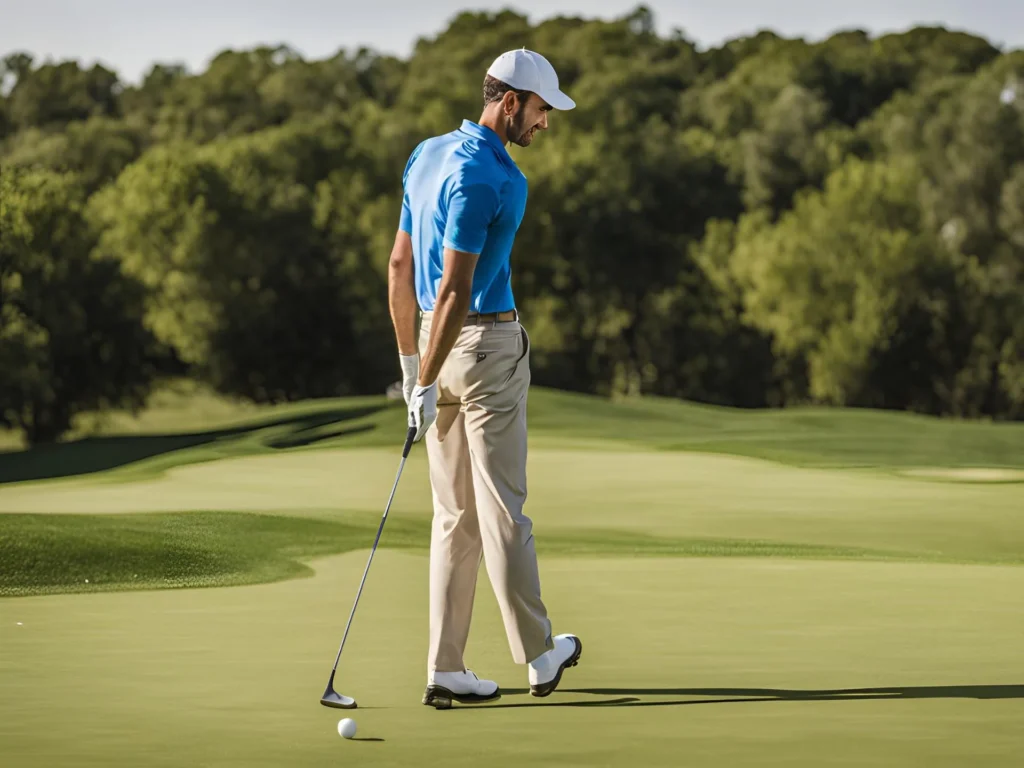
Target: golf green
(698,662)
(799,588)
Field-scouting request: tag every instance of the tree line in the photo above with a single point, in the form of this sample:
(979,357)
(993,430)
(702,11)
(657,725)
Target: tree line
(768,222)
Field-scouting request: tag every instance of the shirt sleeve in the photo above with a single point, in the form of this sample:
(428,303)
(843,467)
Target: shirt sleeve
(405,221)
(471,209)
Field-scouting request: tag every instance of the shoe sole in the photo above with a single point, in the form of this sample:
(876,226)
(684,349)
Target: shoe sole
(439,697)
(546,689)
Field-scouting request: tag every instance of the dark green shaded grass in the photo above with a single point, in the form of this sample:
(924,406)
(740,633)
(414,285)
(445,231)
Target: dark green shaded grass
(152,452)
(42,554)
(52,553)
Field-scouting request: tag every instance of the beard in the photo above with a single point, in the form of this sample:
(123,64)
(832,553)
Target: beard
(518,133)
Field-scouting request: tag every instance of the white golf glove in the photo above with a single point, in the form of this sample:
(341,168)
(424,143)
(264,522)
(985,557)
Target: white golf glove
(410,372)
(423,409)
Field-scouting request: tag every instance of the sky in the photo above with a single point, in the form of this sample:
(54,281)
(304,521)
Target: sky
(130,35)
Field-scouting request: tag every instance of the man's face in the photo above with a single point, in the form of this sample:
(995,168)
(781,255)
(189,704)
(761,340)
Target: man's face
(530,116)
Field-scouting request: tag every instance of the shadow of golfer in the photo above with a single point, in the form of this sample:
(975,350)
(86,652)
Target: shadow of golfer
(629,697)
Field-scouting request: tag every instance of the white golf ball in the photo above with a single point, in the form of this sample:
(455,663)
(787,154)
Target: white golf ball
(347,728)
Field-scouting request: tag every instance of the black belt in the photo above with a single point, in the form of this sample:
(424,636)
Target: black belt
(475,318)
(494,317)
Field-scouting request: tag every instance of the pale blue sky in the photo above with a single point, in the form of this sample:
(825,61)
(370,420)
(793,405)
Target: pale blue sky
(129,35)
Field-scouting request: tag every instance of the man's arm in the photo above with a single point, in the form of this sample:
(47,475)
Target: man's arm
(402,293)
(454,295)
(471,209)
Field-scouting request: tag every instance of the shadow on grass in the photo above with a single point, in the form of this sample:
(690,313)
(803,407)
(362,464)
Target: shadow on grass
(97,454)
(309,436)
(629,697)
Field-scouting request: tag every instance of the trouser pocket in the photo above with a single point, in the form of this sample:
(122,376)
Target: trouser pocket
(485,363)
(524,355)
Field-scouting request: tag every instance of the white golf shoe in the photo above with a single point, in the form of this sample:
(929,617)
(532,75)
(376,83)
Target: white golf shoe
(546,671)
(464,687)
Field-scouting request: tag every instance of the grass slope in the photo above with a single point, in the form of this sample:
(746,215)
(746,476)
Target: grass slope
(186,426)
(41,554)
(53,554)
(605,479)
(50,554)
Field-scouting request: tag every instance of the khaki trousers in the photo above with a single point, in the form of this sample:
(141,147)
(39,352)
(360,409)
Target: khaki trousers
(477,455)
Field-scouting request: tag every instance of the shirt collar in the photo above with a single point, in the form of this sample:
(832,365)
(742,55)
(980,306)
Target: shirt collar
(481,132)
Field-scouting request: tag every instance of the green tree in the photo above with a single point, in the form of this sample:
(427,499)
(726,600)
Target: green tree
(71,336)
(97,149)
(788,153)
(234,242)
(246,91)
(972,155)
(832,280)
(54,95)
(765,222)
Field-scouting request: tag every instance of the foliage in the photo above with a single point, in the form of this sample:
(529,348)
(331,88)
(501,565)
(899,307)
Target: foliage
(70,325)
(767,222)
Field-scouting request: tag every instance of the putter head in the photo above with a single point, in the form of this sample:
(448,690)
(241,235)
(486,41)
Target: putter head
(332,698)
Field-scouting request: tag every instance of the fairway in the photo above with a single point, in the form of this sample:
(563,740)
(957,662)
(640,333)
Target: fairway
(695,662)
(794,588)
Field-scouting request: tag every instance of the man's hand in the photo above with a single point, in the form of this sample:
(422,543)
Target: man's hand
(410,372)
(423,409)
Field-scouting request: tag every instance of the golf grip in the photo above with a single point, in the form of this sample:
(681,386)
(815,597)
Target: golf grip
(408,442)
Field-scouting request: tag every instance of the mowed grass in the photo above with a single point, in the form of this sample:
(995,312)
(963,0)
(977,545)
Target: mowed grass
(579,494)
(42,554)
(184,425)
(49,554)
(798,588)
(695,662)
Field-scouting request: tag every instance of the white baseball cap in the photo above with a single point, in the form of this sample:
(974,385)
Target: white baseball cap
(529,71)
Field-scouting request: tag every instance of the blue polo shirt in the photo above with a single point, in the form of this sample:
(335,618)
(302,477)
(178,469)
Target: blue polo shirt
(464,191)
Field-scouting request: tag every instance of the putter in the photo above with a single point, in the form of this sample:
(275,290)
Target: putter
(332,698)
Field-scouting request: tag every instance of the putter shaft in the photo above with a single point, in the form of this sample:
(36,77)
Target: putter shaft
(410,437)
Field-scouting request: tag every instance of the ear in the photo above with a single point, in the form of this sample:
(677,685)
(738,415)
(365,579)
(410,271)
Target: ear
(508,103)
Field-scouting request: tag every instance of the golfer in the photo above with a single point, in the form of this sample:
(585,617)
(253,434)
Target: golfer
(466,376)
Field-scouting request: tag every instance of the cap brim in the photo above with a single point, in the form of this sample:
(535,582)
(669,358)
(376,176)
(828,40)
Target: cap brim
(558,100)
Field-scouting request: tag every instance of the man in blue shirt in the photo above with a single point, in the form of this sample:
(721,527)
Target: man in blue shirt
(466,377)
